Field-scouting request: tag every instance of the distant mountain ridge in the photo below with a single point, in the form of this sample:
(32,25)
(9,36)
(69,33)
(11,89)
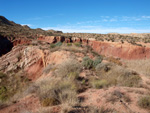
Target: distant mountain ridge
(12,30)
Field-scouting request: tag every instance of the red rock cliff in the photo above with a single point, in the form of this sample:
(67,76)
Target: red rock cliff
(115,49)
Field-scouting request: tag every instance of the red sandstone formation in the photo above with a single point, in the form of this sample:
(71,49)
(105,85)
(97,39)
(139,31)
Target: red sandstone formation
(115,49)
(124,51)
(51,39)
(21,41)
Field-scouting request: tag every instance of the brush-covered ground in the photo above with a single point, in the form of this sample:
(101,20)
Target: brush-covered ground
(40,74)
(71,78)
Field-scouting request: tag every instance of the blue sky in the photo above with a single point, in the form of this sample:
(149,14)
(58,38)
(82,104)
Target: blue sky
(92,16)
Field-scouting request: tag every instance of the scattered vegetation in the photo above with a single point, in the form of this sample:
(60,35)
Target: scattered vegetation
(9,89)
(54,92)
(89,63)
(69,68)
(114,60)
(140,66)
(117,96)
(117,75)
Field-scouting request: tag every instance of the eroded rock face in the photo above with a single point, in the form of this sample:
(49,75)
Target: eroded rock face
(21,41)
(115,49)
(124,51)
(52,39)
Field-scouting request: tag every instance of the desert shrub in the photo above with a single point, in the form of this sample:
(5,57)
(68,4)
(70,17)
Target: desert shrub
(68,68)
(58,91)
(97,61)
(144,102)
(117,75)
(128,79)
(114,60)
(99,83)
(77,44)
(10,85)
(87,62)
(50,102)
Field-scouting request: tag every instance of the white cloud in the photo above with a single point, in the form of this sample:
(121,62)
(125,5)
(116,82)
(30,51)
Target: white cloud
(93,26)
(145,16)
(97,29)
(138,18)
(30,25)
(105,20)
(113,20)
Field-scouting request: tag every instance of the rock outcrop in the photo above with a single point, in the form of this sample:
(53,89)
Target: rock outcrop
(123,51)
(115,49)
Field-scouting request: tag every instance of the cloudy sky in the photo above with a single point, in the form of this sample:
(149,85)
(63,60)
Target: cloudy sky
(89,16)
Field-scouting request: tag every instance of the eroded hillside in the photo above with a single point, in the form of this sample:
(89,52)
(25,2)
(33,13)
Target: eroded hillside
(73,74)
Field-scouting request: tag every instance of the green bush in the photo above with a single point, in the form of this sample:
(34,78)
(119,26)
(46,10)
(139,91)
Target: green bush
(89,63)
(97,61)
(144,102)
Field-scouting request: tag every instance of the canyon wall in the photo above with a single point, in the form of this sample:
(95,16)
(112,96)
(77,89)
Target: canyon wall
(115,49)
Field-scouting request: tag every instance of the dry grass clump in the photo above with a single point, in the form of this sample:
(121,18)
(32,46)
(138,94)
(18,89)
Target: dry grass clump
(96,83)
(69,68)
(57,91)
(10,85)
(144,102)
(117,75)
(114,60)
(140,66)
